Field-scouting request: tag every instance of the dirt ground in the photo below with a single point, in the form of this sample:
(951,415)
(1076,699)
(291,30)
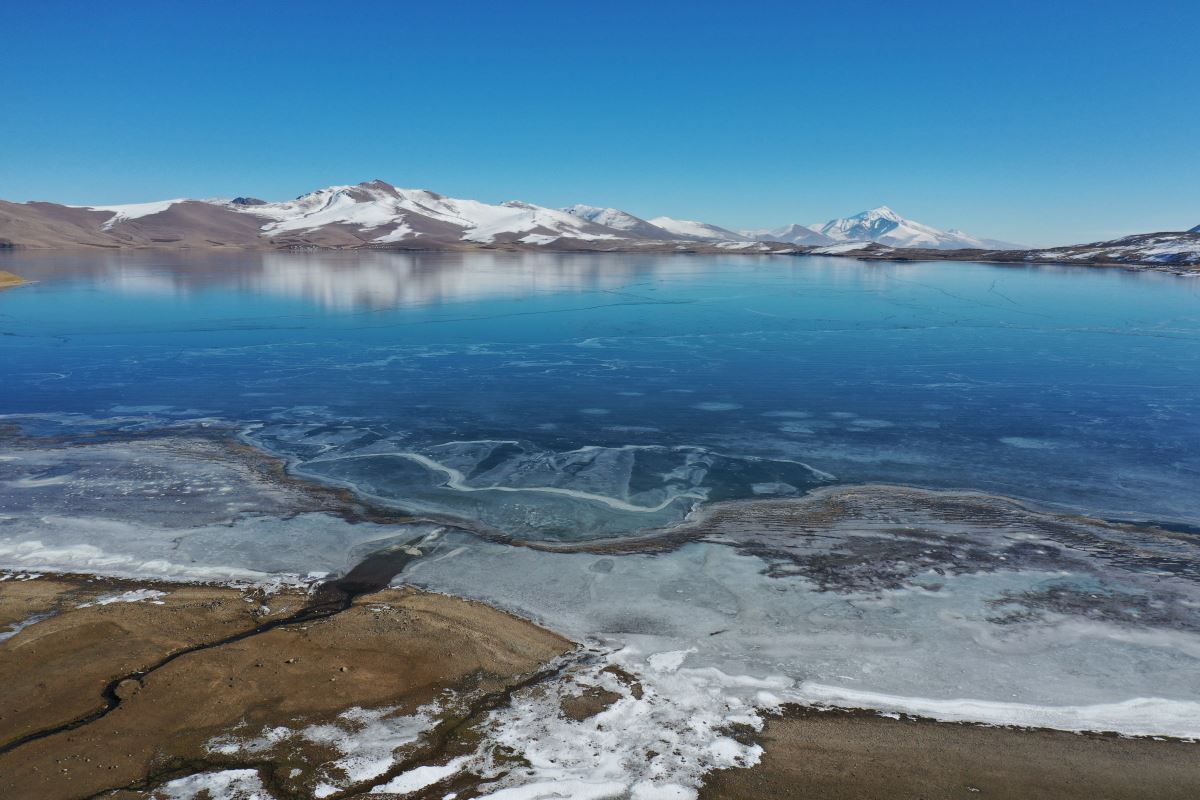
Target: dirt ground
(834,755)
(397,648)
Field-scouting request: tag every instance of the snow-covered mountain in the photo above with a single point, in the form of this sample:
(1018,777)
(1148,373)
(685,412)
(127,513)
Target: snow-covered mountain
(620,220)
(1175,252)
(885,226)
(690,229)
(374,214)
(391,215)
(1194,230)
(377,215)
(793,234)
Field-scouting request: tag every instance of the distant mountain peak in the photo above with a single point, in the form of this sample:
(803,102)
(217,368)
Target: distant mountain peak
(1195,229)
(885,226)
(880,212)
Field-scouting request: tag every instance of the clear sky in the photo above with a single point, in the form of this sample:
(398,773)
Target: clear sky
(1038,122)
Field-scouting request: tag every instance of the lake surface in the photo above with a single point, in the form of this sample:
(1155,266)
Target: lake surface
(634,386)
(560,401)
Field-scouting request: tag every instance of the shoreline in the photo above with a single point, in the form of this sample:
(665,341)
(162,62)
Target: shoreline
(90,586)
(751,526)
(838,754)
(195,715)
(769,249)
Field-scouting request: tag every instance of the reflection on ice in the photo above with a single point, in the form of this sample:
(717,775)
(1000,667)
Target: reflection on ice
(364,280)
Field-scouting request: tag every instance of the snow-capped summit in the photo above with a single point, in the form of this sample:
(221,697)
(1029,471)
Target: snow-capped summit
(1194,230)
(690,229)
(620,220)
(885,226)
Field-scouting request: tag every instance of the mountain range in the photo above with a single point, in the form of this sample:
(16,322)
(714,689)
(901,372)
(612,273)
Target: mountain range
(377,215)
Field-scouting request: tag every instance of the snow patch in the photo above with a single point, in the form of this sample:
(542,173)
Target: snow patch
(120,213)
(228,784)
(132,596)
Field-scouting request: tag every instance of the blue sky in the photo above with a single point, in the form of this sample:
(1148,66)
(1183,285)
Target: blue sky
(1036,122)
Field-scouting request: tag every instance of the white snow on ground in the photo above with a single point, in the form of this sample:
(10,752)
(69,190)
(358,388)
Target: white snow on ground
(420,777)
(133,210)
(667,727)
(367,739)
(132,596)
(656,745)
(228,784)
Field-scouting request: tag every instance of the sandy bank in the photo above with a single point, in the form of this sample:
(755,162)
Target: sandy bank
(8,280)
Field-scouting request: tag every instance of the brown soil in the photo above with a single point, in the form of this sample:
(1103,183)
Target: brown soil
(396,647)
(8,280)
(588,704)
(830,755)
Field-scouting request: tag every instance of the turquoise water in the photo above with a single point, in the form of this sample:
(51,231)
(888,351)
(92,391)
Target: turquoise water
(569,396)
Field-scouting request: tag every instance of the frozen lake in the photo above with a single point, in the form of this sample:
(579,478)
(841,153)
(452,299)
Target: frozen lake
(535,409)
(629,387)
